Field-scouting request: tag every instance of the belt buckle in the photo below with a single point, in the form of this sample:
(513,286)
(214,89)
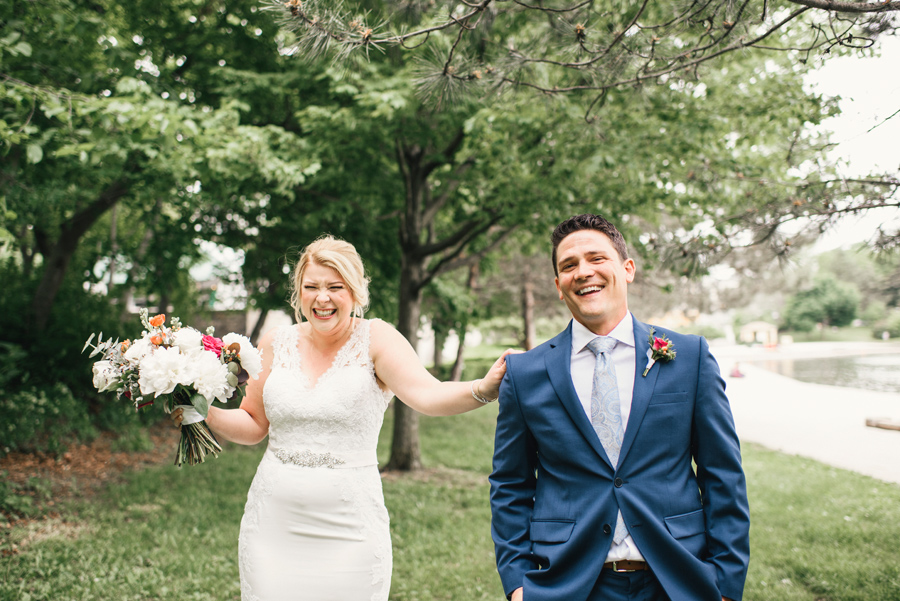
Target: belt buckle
(615,567)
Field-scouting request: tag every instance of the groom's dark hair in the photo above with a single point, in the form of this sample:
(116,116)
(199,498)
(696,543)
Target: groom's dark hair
(587,221)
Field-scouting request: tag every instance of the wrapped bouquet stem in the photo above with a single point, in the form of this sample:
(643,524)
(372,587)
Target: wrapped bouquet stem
(180,367)
(197,440)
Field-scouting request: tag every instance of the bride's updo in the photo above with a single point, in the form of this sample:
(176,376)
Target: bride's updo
(341,256)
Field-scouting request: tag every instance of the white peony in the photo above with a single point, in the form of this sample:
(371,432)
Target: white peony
(138,350)
(164,369)
(105,376)
(210,377)
(188,340)
(251,358)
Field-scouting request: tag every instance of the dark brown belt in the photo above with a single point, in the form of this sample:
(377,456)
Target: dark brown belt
(626,565)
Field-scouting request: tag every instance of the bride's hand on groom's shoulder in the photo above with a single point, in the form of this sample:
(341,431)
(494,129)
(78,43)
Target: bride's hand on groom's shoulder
(490,384)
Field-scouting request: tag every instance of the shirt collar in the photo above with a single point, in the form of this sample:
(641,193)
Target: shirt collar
(623,332)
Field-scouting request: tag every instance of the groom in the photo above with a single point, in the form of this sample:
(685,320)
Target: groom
(593,493)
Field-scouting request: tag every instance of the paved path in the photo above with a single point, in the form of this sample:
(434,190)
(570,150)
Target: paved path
(826,423)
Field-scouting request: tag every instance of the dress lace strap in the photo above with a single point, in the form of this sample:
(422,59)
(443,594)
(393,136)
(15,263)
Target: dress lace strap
(356,351)
(285,347)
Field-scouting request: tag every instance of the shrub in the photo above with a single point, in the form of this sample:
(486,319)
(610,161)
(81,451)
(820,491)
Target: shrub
(891,325)
(47,398)
(829,301)
(42,418)
(874,312)
(707,331)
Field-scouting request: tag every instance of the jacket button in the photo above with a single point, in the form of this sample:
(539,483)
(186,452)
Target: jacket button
(618,483)
(607,529)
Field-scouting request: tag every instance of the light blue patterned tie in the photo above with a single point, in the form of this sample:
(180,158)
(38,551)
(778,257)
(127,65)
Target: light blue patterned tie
(605,414)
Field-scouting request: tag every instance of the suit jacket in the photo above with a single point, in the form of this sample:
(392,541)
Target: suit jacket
(554,493)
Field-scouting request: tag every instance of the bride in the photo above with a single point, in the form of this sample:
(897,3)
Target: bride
(315,526)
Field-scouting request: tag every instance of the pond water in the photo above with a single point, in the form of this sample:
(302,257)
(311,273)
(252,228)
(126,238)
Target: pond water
(869,372)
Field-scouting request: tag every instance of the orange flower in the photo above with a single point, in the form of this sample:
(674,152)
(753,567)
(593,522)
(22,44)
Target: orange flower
(158,320)
(125,345)
(157,340)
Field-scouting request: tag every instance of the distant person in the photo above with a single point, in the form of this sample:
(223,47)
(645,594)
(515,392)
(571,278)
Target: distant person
(315,526)
(736,371)
(593,494)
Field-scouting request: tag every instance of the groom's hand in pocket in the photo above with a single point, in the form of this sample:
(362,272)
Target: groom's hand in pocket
(516,595)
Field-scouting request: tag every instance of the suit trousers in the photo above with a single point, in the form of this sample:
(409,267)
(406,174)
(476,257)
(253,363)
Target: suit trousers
(627,586)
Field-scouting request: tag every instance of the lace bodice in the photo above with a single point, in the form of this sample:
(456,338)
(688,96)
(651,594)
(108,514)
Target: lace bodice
(340,415)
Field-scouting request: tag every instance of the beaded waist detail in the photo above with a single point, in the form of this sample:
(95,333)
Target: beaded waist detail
(307,458)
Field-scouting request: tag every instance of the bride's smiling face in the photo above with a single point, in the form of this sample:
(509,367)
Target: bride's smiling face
(325,299)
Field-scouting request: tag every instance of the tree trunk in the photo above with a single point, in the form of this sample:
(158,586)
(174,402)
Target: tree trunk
(406,453)
(163,305)
(257,327)
(528,312)
(423,258)
(113,248)
(460,364)
(143,247)
(58,254)
(56,263)
(438,354)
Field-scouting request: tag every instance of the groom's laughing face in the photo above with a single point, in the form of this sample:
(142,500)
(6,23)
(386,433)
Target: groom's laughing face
(593,280)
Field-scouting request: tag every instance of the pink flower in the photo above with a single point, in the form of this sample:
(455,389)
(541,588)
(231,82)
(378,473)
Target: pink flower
(211,343)
(660,345)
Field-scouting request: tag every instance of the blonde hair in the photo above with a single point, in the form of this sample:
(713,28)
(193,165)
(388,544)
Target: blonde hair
(341,256)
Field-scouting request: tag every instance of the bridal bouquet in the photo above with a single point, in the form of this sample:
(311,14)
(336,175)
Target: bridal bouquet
(189,370)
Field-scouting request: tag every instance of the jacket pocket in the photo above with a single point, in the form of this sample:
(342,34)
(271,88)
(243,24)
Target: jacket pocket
(551,531)
(686,524)
(666,398)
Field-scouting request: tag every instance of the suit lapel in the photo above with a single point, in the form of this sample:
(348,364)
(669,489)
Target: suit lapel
(643,385)
(559,368)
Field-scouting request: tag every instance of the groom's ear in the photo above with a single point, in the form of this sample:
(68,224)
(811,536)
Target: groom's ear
(630,270)
(558,290)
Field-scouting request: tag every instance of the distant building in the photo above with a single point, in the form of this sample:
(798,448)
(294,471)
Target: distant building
(759,332)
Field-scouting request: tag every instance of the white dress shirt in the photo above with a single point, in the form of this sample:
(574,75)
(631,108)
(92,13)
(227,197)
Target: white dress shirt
(622,357)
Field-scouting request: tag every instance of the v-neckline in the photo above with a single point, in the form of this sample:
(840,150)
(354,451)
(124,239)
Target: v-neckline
(310,385)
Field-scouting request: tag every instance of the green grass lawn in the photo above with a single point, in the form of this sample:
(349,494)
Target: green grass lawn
(819,533)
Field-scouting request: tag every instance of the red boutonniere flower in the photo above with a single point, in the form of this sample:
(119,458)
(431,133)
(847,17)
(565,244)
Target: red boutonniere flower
(661,349)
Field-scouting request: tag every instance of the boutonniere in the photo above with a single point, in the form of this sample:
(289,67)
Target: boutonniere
(661,349)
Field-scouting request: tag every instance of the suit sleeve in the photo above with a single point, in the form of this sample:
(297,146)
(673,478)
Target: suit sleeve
(723,487)
(513,483)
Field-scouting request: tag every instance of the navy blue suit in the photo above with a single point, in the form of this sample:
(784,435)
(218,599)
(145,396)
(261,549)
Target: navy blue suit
(554,494)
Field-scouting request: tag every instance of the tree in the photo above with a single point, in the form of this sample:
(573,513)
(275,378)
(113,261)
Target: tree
(93,126)
(598,50)
(828,302)
(446,184)
(674,165)
(592,47)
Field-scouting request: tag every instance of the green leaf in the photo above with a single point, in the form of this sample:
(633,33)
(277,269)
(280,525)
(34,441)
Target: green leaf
(34,153)
(200,404)
(22,49)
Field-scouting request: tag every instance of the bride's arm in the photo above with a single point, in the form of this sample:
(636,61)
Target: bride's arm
(398,366)
(248,424)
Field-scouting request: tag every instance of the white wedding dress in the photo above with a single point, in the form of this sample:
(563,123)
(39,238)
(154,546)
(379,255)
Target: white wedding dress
(315,527)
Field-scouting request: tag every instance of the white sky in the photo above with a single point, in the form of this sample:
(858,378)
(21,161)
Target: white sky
(870,93)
